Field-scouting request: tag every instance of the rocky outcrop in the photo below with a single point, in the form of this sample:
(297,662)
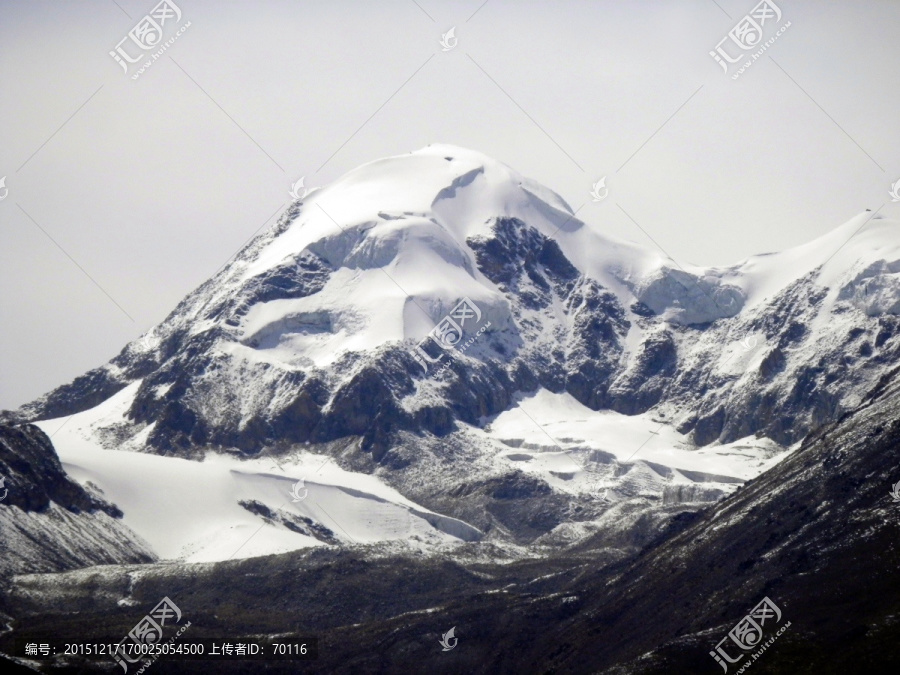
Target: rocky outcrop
(49,523)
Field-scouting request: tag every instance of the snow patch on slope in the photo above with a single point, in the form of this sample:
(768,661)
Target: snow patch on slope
(581,451)
(192,511)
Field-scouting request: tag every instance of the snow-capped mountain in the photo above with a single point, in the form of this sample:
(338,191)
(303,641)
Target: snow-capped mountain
(451,332)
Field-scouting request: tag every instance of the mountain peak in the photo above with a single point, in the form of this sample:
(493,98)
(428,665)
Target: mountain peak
(338,295)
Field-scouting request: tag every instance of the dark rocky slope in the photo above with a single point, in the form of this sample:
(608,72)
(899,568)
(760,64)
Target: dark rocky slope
(817,534)
(48,522)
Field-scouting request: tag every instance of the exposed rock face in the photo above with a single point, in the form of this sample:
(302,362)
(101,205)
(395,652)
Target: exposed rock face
(47,521)
(34,477)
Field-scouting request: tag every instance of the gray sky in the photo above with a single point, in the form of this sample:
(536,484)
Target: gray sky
(148,186)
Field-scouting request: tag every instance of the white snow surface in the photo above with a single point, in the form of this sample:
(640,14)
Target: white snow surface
(865,237)
(579,450)
(396,228)
(189,510)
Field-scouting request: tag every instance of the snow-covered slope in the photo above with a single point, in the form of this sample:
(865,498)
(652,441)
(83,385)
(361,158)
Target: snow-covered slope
(48,523)
(224,507)
(555,433)
(306,344)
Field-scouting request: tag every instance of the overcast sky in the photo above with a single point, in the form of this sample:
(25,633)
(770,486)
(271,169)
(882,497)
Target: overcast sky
(124,195)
